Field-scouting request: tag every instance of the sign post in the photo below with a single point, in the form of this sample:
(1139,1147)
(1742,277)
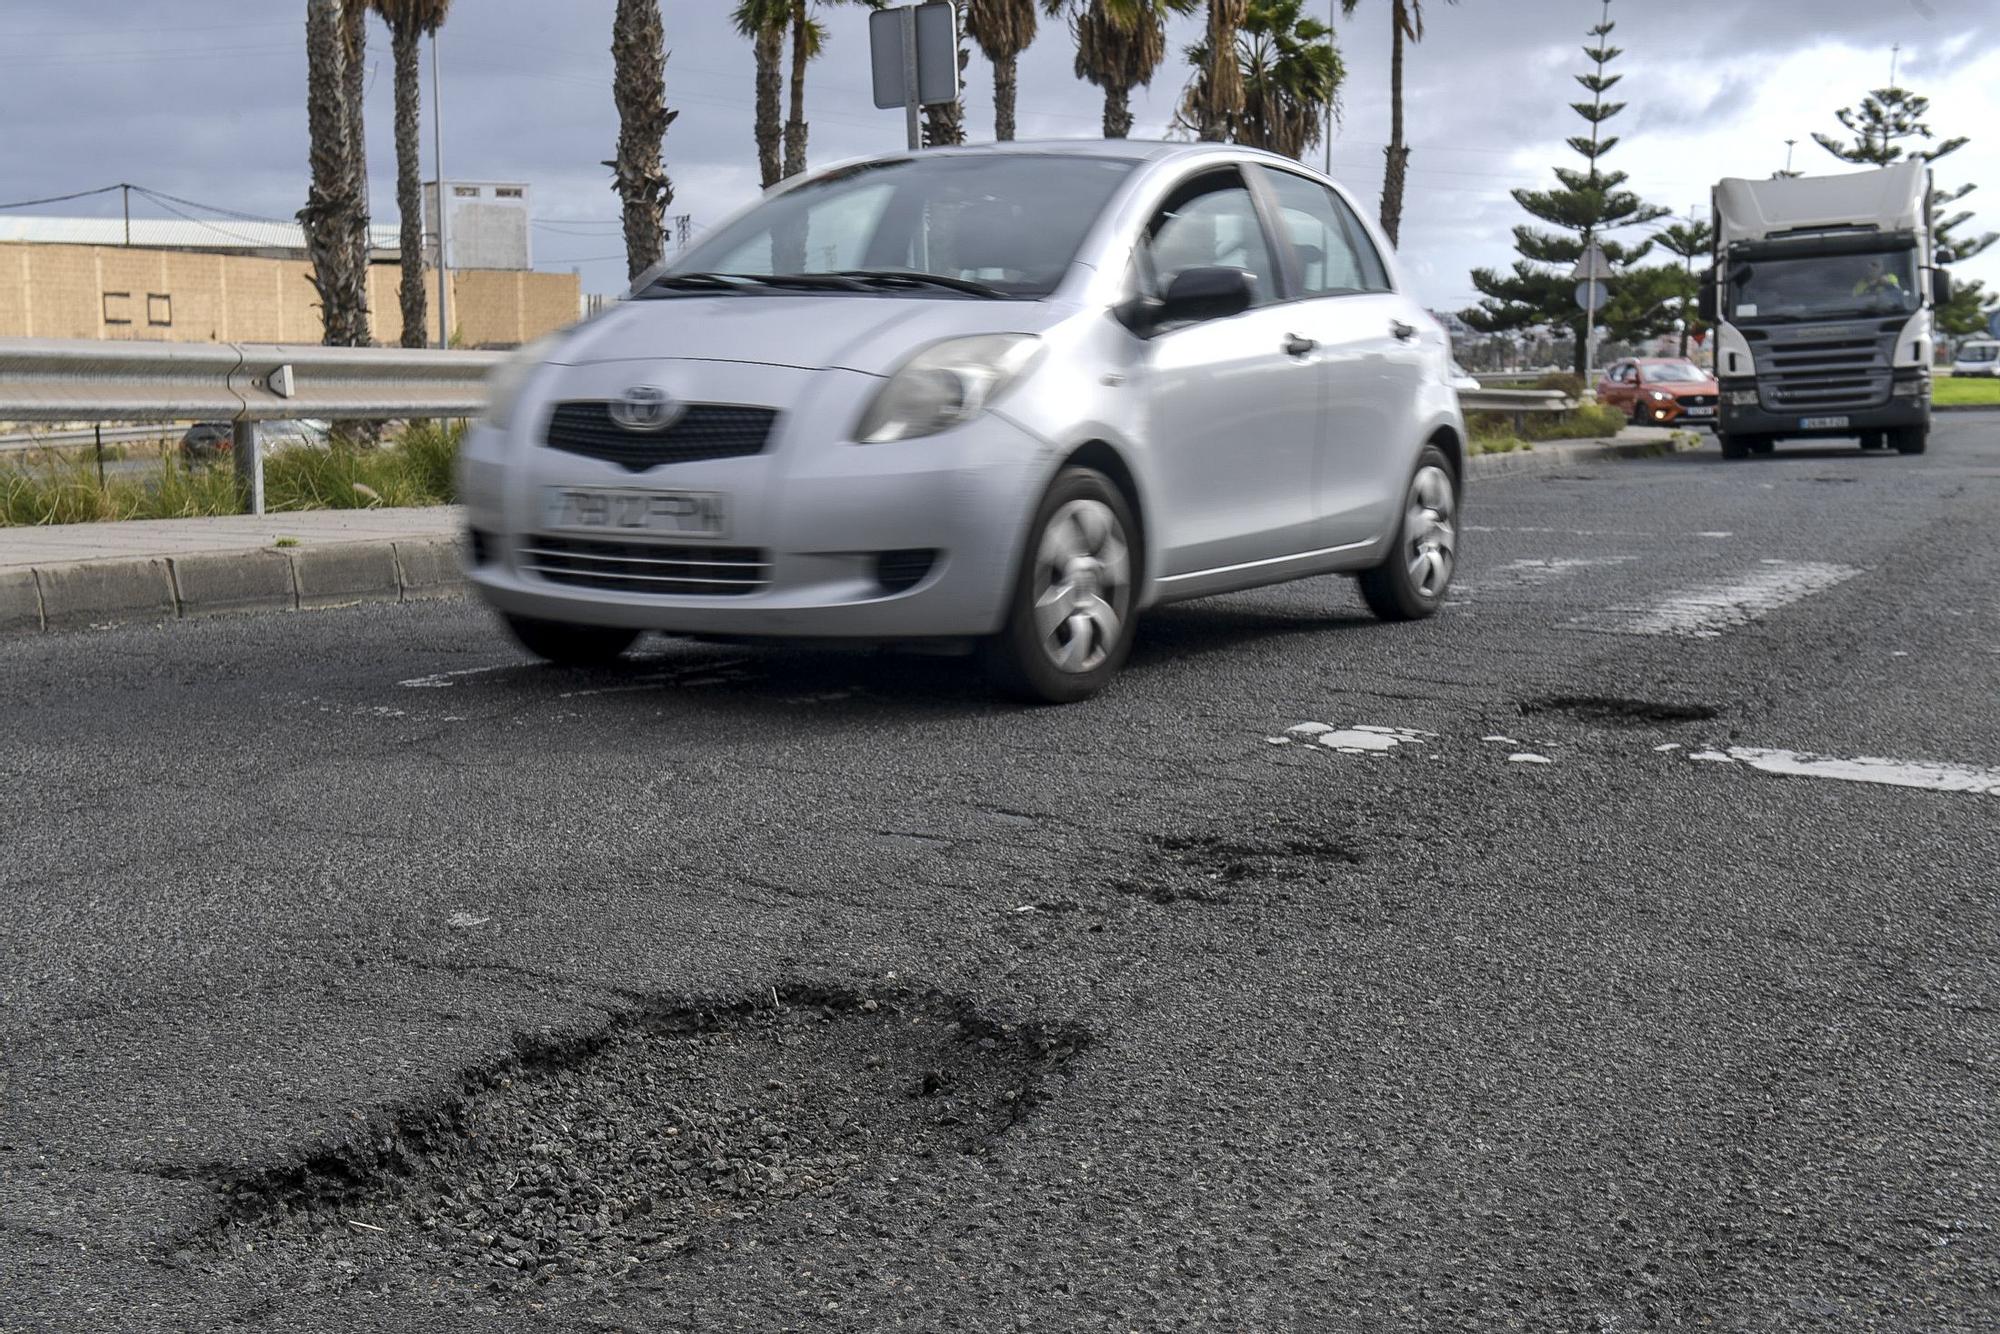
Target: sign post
(914,54)
(1590,273)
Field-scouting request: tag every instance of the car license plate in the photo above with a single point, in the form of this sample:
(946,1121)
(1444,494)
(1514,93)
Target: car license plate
(634,510)
(1821,423)
(1698,412)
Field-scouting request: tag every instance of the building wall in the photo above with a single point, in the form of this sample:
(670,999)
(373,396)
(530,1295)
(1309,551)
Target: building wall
(65,291)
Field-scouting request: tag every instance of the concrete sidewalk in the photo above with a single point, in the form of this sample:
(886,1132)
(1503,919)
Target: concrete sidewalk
(76,576)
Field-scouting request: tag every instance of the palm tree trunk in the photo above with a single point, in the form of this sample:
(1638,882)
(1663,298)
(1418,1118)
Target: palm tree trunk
(770,47)
(639,87)
(795,124)
(944,122)
(331,204)
(1117,113)
(1006,72)
(355,33)
(1397,153)
(406,41)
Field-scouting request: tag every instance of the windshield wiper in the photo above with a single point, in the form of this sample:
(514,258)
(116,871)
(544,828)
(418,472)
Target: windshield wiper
(701,282)
(903,278)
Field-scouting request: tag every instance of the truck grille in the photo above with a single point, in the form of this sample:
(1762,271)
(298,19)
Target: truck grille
(1839,369)
(647,567)
(703,431)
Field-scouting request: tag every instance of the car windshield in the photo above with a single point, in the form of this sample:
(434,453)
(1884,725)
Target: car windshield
(1824,286)
(1004,224)
(1674,372)
(1980,352)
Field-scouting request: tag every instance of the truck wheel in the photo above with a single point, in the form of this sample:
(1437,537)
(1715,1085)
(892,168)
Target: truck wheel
(570,645)
(1763,444)
(1873,440)
(1733,446)
(1910,439)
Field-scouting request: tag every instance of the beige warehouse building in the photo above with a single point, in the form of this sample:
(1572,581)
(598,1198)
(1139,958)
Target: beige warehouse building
(237,282)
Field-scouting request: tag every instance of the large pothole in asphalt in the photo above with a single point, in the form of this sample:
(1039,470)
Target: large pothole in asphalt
(612,1153)
(1616,711)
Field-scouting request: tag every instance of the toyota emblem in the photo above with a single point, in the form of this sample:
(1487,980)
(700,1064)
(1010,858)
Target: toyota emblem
(644,408)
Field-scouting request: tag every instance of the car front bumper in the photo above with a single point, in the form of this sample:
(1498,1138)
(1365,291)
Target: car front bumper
(820,513)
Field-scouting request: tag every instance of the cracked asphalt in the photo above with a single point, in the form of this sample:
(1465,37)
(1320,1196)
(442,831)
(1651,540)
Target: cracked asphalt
(1423,1037)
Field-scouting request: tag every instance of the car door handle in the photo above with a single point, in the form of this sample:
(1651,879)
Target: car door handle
(1404,332)
(1297,345)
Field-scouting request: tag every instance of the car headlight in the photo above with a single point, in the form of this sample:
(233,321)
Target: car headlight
(945,385)
(506,381)
(1659,397)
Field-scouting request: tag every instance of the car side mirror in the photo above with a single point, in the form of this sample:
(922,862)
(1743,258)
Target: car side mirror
(1704,304)
(1206,294)
(1940,287)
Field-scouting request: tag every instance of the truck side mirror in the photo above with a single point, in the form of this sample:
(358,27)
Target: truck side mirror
(1940,288)
(1704,302)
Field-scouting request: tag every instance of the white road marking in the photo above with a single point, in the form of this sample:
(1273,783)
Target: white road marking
(1360,739)
(439,680)
(1671,745)
(1533,572)
(1501,740)
(1706,611)
(1709,756)
(1526,757)
(1929,774)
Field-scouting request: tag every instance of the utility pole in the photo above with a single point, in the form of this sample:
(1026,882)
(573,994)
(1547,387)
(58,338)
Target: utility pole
(437,154)
(1326,130)
(1788,155)
(127,190)
(1895,52)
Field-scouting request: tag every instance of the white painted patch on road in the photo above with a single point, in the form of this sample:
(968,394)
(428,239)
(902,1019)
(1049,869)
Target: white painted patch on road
(1706,611)
(440,680)
(1928,774)
(1528,757)
(1533,572)
(1709,757)
(465,921)
(1500,740)
(1671,745)
(1716,532)
(1360,739)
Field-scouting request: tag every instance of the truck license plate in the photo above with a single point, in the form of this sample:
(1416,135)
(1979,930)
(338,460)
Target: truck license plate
(634,510)
(1821,423)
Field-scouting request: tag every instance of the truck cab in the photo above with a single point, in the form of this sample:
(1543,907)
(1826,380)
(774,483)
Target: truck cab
(1822,296)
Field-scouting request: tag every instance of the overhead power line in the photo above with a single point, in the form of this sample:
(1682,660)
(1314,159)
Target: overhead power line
(59,199)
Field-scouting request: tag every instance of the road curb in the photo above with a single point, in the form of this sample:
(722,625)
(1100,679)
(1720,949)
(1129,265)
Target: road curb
(81,594)
(1554,457)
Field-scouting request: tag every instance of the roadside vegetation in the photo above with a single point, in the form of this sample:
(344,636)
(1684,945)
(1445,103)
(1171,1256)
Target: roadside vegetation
(1963,391)
(1501,433)
(416,469)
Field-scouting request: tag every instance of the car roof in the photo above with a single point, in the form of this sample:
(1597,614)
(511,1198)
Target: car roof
(1128,150)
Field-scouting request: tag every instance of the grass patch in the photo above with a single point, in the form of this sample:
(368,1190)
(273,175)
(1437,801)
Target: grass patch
(1963,391)
(416,469)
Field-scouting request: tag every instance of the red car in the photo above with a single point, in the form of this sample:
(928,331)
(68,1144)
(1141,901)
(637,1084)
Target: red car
(1660,391)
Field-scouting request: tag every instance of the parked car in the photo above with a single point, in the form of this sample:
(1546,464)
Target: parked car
(1007,397)
(1978,356)
(207,440)
(1660,391)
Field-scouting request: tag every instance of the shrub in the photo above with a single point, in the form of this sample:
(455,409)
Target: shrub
(1568,381)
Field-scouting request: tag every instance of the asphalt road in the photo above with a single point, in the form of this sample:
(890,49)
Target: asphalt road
(359,974)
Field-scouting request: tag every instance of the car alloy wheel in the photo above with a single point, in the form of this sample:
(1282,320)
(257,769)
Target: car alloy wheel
(1083,582)
(1430,535)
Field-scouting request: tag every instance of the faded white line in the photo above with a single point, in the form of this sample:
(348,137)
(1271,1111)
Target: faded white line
(439,680)
(1928,774)
(1533,573)
(1705,611)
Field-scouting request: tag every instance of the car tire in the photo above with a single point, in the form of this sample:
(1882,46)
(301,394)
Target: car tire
(1733,446)
(569,645)
(1639,415)
(1073,610)
(1412,580)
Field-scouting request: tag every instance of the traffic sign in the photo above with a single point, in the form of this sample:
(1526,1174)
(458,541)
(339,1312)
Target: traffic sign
(1590,296)
(937,54)
(1593,264)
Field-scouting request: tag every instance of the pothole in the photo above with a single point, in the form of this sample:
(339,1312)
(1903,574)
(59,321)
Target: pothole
(1203,868)
(1613,711)
(612,1153)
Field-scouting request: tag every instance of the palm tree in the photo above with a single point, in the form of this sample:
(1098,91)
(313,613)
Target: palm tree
(354,33)
(944,122)
(334,210)
(1119,44)
(1406,22)
(764,22)
(1217,98)
(1289,74)
(410,21)
(1003,29)
(639,87)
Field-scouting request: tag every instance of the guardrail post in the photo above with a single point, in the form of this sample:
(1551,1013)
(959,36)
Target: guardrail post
(249,466)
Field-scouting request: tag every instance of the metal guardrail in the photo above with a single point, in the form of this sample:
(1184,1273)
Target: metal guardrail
(22,442)
(70,380)
(1516,404)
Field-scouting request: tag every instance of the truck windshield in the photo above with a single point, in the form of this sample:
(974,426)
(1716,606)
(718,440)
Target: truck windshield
(1008,223)
(1824,287)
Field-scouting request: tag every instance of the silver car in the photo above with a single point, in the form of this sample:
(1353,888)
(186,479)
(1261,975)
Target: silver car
(1009,396)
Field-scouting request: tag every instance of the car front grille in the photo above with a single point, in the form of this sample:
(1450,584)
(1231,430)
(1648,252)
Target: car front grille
(647,567)
(703,431)
(1697,400)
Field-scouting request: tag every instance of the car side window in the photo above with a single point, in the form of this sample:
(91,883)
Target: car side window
(1309,215)
(1210,222)
(1374,273)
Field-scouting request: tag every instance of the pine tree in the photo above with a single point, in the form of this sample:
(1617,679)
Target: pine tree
(1886,120)
(1688,242)
(1590,204)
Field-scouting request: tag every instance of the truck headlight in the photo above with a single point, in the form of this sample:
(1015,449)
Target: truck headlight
(1914,387)
(945,385)
(506,381)
(1741,398)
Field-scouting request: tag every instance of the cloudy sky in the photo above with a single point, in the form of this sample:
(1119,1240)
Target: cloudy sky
(205,99)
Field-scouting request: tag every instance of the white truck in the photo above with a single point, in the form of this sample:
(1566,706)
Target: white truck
(1821,297)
